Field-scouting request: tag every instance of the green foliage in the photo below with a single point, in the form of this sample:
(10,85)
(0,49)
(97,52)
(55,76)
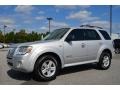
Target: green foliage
(1,36)
(21,36)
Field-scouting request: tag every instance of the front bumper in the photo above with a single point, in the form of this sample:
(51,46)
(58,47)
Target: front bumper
(19,63)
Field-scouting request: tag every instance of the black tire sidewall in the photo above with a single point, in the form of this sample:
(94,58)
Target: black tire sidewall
(100,64)
(38,66)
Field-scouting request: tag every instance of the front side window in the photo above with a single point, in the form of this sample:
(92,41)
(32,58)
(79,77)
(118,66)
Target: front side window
(57,34)
(91,35)
(76,35)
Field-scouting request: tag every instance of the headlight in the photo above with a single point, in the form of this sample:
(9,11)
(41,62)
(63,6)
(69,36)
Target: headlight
(23,50)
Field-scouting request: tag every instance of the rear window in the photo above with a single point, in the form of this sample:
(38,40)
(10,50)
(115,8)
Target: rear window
(91,35)
(105,35)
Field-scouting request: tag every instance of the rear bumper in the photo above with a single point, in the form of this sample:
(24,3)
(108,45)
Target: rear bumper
(113,52)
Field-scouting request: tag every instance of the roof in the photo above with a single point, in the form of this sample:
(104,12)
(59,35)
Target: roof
(87,27)
(91,26)
(95,28)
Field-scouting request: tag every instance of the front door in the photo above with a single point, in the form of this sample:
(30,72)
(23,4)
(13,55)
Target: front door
(75,48)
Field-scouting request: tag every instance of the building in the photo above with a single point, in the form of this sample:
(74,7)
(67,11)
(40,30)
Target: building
(115,36)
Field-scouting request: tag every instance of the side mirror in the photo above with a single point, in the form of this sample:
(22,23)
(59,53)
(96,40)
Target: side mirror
(68,40)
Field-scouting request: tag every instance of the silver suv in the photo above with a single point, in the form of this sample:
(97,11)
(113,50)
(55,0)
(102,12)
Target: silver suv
(63,48)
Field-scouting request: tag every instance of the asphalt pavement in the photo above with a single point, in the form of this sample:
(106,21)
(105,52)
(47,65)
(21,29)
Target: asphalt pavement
(78,75)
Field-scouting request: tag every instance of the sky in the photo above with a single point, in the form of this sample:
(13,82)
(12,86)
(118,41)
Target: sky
(33,18)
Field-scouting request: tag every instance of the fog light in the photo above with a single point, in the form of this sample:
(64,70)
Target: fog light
(18,64)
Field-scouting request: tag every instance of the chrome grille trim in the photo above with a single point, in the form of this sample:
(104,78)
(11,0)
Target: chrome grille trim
(11,53)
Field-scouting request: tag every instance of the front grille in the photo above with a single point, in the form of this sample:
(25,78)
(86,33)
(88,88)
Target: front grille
(11,53)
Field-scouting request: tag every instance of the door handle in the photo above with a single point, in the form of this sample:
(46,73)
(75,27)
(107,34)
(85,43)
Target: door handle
(83,45)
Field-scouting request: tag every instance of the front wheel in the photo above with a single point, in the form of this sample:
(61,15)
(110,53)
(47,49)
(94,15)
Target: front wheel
(46,68)
(104,61)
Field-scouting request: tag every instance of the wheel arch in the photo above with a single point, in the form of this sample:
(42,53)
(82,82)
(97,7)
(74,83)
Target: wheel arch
(104,49)
(109,51)
(50,53)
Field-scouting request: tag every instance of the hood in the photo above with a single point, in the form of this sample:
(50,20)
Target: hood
(32,43)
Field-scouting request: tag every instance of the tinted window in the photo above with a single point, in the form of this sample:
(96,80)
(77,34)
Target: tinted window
(56,34)
(76,35)
(91,35)
(105,35)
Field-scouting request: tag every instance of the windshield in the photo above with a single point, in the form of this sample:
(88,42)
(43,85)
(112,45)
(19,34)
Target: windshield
(56,34)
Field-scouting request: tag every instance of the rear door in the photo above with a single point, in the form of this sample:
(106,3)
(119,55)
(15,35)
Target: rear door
(93,43)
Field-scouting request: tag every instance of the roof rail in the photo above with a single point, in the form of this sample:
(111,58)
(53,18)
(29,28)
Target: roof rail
(90,26)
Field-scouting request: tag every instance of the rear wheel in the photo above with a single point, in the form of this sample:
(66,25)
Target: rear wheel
(104,61)
(46,68)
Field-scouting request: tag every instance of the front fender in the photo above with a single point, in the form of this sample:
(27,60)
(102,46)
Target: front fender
(42,50)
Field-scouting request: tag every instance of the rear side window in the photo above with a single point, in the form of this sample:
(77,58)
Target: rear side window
(105,35)
(91,35)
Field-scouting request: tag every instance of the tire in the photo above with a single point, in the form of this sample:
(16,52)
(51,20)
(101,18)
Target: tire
(104,61)
(46,68)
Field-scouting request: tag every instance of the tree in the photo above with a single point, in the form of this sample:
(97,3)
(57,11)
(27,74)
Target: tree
(10,37)
(1,36)
(22,36)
